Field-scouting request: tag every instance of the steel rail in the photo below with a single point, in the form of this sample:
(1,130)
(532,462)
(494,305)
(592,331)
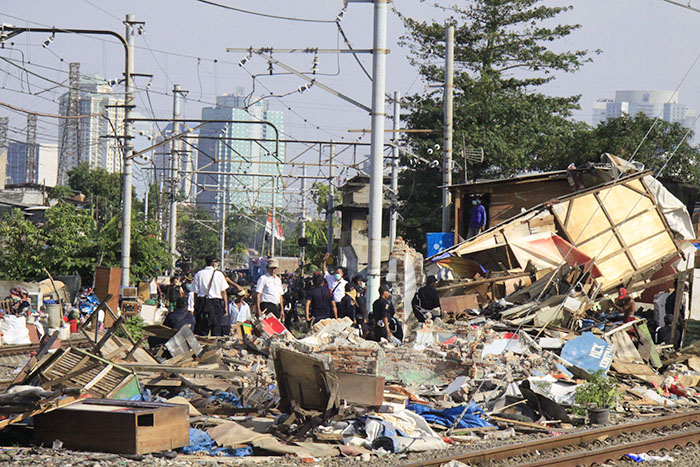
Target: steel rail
(572,439)
(613,453)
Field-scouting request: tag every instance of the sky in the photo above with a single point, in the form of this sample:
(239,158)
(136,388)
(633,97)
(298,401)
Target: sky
(645,44)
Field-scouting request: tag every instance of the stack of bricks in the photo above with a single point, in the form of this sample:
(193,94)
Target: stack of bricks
(362,361)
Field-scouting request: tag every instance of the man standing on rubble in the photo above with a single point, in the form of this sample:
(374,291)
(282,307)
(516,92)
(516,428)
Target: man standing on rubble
(319,302)
(336,281)
(477,219)
(426,302)
(269,292)
(387,326)
(211,303)
(361,297)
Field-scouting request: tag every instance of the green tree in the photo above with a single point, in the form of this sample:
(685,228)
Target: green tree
(102,190)
(69,240)
(22,245)
(656,141)
(503,53)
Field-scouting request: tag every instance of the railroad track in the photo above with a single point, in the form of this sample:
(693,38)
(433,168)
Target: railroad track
(8,350)
(587,457)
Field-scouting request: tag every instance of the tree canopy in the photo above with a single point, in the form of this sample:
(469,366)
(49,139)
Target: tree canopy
(504,51)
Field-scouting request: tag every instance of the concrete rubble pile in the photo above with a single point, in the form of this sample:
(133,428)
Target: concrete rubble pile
(533,337)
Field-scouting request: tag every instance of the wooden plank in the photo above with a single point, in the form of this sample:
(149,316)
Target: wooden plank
(147,368)
(677,305)
(616,232)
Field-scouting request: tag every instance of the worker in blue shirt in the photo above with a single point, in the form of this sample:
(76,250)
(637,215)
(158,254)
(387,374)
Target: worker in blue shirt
(477,218)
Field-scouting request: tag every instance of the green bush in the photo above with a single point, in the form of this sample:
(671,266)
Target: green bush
(133,324)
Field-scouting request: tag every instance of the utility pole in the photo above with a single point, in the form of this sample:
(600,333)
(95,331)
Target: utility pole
(32,164)
(274,208)
(329,207)
(128,150)
(394,171)
(302,252)
(377,151)
(174,175)
(223,228)
(448,108)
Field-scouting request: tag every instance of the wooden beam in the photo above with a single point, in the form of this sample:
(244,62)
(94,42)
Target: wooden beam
(680,290)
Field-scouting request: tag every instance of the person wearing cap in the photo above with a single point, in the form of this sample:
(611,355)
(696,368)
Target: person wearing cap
(269,292)
(336,281)
(360,284)
(426,302)
(348,305)
(179,317)
(211,302)
(477,218)
(386,325)
(319,303)
(238,309)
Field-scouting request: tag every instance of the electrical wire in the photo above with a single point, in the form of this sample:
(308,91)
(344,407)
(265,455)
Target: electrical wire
(265,15)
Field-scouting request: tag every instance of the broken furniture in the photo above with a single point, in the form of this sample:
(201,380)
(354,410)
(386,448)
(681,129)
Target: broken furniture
(123,427)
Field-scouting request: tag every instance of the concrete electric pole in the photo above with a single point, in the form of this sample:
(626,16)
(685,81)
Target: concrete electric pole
(448,106)
(376,197)
(174,176)
(395,170)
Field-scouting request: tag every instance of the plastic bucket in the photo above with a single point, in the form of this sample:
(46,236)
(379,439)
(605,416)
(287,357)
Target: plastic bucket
(598,416)
(54,312)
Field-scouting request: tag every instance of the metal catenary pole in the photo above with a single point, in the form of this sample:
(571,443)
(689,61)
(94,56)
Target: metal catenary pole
(174,171)
(329,206)
(377,151)
(302,250)
(394,170)
(448,106)
(274,208)
(127,168)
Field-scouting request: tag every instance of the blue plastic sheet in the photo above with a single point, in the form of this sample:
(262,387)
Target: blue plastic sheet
(446,417)
(227,397)
(201,442)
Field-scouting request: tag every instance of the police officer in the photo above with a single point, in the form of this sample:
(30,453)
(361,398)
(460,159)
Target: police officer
(386,324)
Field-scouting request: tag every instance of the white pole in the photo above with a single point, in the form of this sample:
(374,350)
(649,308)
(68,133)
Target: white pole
(128,151)
(394,170)
(174,168)
(329,205)
(448,105)
(377,152)
(274,208)
(302,250)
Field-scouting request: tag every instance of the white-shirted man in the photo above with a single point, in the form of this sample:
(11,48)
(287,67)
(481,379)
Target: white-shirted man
(211,303)
(269,292)
(336,281)
(239,309)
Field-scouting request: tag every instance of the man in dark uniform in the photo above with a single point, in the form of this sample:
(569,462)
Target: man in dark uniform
(361,298)
(426,302)
(387,326)
(319,302)
(179,317)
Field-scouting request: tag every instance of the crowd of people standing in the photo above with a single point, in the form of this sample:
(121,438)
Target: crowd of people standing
(211,302)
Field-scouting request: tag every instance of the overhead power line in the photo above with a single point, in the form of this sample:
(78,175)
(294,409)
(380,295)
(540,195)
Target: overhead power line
(267,15)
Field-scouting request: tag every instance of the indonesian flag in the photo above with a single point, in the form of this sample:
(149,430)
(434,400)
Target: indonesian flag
(277,228)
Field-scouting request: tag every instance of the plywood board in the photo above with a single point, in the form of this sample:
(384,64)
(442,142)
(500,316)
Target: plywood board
(620,227)
(459,303)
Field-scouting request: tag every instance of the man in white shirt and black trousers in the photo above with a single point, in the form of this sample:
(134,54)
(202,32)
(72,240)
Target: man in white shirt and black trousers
(269,292)
(211,302)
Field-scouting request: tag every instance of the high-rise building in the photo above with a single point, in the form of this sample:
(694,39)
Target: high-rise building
(651,103)
(236,148)
(96,142)
(47,155)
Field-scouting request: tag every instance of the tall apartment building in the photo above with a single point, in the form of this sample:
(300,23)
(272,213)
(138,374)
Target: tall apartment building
(47,155)
(231,147)
(650,103)
(95,142)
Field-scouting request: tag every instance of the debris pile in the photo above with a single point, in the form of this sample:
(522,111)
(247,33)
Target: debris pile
(578,310)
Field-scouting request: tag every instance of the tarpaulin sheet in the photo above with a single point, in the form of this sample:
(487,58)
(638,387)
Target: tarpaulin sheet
(202,442)
(588,352)
(446,417)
